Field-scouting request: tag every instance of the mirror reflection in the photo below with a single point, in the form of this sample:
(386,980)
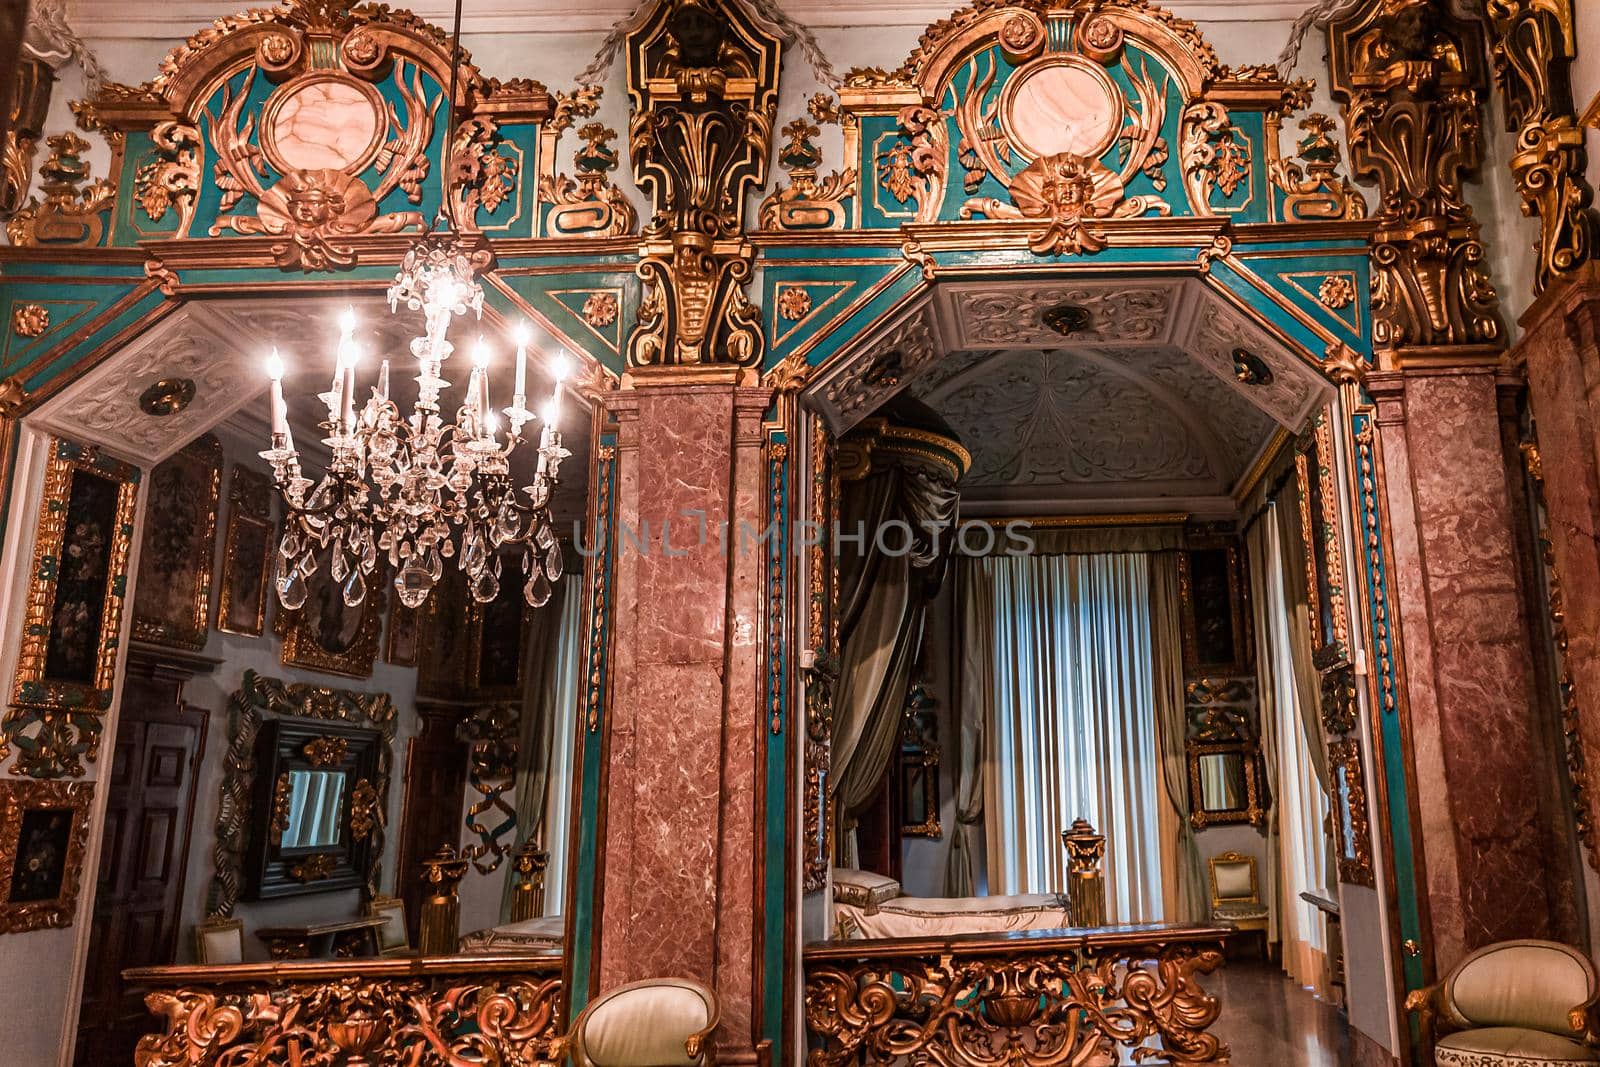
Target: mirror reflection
(1347,835)
(316,807)
(1222,786)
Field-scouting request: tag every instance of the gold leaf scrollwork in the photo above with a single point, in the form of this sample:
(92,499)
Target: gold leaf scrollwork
(1313,188)
(1063,1004)
(808,203)
(74,208)
(591,203)
(1532,47)
(30,102)
(484,176)
(1212,154)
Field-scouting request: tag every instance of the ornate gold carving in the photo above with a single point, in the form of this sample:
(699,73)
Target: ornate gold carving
(1057,1001)
(357,1013)
(30,320)
(173,178)
(1337,291)
(278,822)
(1313,188)
(1338,689)
(363,810)
(492,732)
(327,751)
(72,212)
(527,891)
(589,204)
(1064,190)
(255,696)
(1533,44)
(314,868)
(30,102)
(1408,74)
(703,79)
(808,203)
(484,176)
(600,310)
(1086,883)
(1577,765)
(821,675)
(44,829)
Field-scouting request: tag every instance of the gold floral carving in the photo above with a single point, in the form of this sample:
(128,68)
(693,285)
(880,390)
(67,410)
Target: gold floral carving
(314,868)
(30,320)
(1409,76)
(820,677)
(27,859)
(74,208)
(794,302)
(1533,44)
(600,309)
(357,1012)
(1337,291)
(363,810)
(703,80)
(1057,1001)
(172,179)
(1213,154)
(326,751)
(484,176)
(807,202)
(1314,190)
(278,820)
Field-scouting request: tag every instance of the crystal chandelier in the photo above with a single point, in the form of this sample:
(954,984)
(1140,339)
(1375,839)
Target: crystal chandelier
(415,492)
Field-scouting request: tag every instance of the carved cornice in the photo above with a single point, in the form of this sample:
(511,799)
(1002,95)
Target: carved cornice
(1410,76)
(703,81)
(1532,46)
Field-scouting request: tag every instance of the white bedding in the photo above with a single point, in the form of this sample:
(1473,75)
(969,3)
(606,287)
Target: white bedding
(534,937)
(940,916)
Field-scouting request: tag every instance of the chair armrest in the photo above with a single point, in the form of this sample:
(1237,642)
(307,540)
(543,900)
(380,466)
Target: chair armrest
(700,1046)
(1425,1004)
(1585,1020)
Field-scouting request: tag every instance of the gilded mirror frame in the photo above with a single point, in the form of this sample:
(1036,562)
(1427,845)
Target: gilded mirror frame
(1254,811)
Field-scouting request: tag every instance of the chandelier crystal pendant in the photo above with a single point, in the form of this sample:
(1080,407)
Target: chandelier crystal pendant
(415,492)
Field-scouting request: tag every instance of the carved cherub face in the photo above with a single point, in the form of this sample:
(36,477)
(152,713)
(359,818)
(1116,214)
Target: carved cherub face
(698,34)
(1070,185)
(309,205)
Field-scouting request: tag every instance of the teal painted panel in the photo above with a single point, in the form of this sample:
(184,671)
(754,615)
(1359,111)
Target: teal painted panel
(131,223)
(597,671)
(1332,288)
(72,301)
(778,735)
(515,215)
(1402,858)
(591,309)
(102,333)
(886,199)
(800,301)
(1297,331)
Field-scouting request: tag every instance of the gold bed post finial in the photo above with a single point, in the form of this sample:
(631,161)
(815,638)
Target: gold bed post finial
(527,895)
(441,909)
(1086,882)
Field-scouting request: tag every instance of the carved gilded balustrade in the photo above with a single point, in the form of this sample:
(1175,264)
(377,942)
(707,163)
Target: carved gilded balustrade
(1038,998)
(430,1011)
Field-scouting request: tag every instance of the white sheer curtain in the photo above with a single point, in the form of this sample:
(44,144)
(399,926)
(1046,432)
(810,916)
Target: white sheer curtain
(564,697)
(1074,726)
(1297,842)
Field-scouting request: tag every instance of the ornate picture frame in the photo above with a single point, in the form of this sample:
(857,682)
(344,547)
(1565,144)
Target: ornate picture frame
(1215,608)
(327,635)
(72,627)
(246,554)
(44,833)
(403,638)
(1352,837)
(497,640)
(256,699)
(172,598)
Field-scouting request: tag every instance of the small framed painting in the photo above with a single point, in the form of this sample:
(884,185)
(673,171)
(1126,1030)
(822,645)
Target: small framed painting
(246,554)
(172,601)
(80,571)
(326,634)
(44,828)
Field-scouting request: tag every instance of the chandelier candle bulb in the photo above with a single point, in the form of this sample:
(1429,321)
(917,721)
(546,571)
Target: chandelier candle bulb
(280,410)
(383,380)
(520,393)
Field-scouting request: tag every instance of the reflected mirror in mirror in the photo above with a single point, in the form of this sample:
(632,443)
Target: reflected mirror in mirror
(1222,784)
(1347,828)
(316,809)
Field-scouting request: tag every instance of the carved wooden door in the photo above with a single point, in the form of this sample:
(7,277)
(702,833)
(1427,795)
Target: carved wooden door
(139,892)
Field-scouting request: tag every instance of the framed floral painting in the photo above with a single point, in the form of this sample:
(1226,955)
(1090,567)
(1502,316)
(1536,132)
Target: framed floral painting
(44,828)
(172,599)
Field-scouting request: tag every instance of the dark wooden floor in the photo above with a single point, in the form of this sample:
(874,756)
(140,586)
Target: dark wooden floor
(1269,1022)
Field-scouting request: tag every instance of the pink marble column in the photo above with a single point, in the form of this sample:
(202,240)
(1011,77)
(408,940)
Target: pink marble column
(1560,348)
(1469,696)
(681,877)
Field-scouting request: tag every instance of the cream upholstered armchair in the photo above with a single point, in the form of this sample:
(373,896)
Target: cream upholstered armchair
(1236,894)
(662,1022)
(1513,1003)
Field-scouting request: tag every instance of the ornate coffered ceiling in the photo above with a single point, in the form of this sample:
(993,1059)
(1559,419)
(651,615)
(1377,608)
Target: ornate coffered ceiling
(1138,406)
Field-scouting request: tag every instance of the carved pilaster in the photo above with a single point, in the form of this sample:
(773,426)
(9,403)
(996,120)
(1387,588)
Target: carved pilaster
(703,80)
(1409,75)
(29,96)
(1532,46)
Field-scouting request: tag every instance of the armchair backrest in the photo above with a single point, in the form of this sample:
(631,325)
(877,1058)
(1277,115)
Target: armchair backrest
(1529,984)
(661,1022)
(1233,879)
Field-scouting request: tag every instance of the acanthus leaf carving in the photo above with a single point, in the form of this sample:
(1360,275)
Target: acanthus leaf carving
(808,203)
(74,208)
